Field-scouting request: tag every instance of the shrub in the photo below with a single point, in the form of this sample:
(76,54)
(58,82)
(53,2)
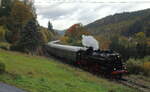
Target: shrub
(146,68)
(140,66)
(4,45)
(134,66)
(2,33)
(2,67)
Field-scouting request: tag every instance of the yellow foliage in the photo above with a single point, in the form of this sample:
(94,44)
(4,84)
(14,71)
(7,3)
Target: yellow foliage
(103,42)
(140,34)
(64,39)
(146,65)
(105,45)
(20,13)
(46,34)
(2,33)
(148,41)
(44,37)
(146,68)
(140,37)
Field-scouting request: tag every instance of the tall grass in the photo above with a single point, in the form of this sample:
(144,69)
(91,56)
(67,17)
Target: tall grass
(2,68)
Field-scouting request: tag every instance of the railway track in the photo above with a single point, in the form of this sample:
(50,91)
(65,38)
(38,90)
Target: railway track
(135,84)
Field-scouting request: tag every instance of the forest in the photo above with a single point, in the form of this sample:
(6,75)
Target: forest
(19,28)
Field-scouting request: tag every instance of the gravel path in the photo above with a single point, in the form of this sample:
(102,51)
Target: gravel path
(8,88)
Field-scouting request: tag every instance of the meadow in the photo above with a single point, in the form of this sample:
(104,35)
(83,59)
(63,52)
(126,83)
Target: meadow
(40,74)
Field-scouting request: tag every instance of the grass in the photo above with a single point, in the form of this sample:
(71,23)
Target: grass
(39,74)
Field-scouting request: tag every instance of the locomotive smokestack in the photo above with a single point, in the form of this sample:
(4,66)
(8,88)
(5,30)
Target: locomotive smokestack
(90,41)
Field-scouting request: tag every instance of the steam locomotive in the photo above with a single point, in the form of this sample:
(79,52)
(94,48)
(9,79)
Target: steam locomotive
(107,63)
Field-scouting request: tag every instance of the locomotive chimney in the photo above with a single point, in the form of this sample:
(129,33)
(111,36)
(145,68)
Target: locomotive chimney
(90,50)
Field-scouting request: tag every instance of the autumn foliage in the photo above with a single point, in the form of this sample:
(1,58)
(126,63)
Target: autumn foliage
(74,34)
(16,29)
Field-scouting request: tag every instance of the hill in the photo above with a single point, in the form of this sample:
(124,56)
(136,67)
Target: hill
(39,74)
(126,24)
(60,32)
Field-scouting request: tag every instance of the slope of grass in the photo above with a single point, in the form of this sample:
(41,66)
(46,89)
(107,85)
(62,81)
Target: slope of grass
(39,74)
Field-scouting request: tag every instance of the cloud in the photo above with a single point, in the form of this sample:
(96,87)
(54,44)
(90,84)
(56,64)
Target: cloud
(64,14)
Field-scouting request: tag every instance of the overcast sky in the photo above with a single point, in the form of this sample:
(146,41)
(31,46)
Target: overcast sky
(64,13)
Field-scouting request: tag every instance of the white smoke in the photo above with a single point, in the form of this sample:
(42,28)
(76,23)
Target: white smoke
(90,41)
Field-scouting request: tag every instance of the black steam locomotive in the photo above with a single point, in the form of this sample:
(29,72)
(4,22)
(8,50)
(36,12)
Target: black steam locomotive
(107,63)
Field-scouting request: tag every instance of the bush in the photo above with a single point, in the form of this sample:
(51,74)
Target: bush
(2,33)
(134,66)
(146,68)
(140,66)
(4,45)
(2,67)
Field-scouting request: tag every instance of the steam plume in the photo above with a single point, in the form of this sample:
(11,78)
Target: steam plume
(90,41)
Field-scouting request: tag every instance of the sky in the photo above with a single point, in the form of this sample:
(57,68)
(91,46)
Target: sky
(64,13)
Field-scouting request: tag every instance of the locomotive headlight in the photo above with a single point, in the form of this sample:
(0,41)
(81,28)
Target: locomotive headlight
(118,56)
(114,68)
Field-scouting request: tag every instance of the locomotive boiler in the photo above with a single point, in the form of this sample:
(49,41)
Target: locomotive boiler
(107,63)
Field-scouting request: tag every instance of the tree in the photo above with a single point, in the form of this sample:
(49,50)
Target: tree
(103,42)
(2,33)
(30,4)
(141,46)
(75,33)
(5,7)
(20,13)
(47,35)
(19,16)
(140,37)
(31,39)
(50,27)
